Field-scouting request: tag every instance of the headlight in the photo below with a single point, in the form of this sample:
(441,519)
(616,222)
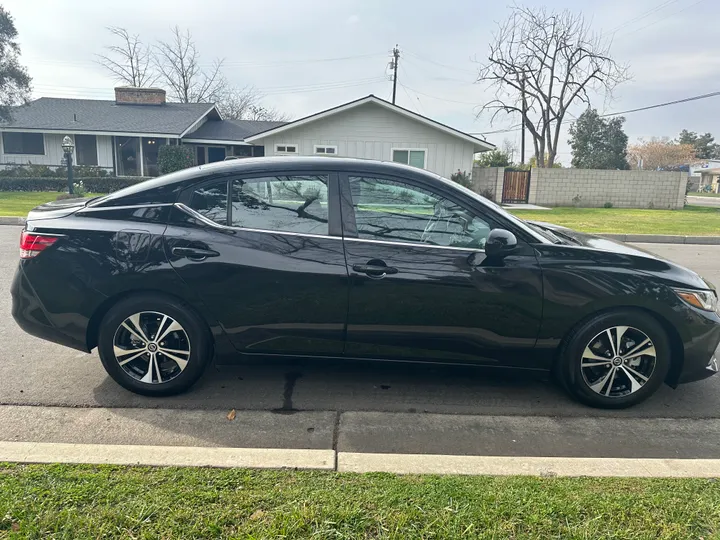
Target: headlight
(700,299)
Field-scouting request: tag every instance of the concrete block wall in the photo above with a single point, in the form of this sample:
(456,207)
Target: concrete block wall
(490,179)
(593,188)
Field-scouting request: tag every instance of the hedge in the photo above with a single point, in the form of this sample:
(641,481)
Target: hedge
(106,184)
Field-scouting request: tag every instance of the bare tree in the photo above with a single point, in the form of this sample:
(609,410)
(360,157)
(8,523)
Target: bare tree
(244,104)
(661,154)
(540,64)
(178,64)
(129,62)
(267,114)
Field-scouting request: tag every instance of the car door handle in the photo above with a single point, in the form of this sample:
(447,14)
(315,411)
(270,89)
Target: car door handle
(374,269)
(195,254)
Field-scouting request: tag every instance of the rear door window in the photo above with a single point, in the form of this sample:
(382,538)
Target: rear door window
(292,203)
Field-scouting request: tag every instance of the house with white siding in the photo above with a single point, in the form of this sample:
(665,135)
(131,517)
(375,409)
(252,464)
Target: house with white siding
(124,136)
(373,128)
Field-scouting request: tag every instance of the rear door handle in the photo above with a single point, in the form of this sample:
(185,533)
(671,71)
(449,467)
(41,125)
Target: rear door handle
(374,269)
(195,254)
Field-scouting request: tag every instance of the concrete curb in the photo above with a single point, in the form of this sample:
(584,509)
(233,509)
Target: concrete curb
(12,220)
(527,466)
(663,239)
(277,458)
(166,456)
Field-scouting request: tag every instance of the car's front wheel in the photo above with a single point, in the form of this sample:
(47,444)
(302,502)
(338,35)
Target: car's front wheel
(154,345)
(615,360)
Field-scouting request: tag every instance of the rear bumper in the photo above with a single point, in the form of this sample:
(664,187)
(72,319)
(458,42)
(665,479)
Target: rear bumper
(29,313)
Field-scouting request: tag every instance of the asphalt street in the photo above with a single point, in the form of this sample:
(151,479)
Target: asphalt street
(51,393)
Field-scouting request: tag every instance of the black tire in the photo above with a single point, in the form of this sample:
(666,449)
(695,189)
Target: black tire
(195,334)
(576,382)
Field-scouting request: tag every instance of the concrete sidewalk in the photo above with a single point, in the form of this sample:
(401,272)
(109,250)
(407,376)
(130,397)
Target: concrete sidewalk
(362,442)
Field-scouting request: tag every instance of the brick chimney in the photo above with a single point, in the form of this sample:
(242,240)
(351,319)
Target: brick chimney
(130,95)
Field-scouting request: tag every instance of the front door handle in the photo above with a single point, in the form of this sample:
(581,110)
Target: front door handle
(195,254)
(374,270)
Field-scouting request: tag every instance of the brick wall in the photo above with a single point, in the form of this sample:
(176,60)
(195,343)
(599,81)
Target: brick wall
(488,179)
(594,188)
(129,95)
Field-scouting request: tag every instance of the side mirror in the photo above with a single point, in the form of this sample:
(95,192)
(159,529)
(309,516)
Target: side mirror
(499,243)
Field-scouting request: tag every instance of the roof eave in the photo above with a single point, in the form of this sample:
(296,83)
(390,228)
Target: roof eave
(480,145)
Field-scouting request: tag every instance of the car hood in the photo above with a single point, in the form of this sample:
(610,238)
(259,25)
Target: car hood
(56,209)
(646,261)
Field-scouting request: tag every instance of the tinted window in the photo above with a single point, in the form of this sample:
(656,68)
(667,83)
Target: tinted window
(397,211)
(23,143)
(211,201)
(281,203)
(86,149)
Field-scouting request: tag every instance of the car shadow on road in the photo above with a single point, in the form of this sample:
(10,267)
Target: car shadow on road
(298,404)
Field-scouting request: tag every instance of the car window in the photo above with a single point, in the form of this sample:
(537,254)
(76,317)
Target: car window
(295,203)
(210,200)
(398,211)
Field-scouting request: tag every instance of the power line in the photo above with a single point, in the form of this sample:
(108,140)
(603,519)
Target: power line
(424,69)
(419,57)
(685,100)
(99,93)
(442,99)
(662,19)
(641,16)
(81,63)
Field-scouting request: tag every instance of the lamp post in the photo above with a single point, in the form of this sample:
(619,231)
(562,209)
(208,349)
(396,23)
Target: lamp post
(68,147)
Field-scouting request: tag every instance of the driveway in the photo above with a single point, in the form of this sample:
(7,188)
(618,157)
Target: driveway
(50,393)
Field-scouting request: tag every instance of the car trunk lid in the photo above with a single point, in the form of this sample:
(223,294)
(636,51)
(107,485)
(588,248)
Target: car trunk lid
(57,209)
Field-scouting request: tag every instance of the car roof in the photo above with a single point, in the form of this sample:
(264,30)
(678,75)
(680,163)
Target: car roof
(172,181)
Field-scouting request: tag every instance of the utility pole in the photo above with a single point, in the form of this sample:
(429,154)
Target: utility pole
(522,120)
(394,64)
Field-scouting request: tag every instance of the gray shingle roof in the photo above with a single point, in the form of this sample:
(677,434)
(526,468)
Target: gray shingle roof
(231,130)
(102,115)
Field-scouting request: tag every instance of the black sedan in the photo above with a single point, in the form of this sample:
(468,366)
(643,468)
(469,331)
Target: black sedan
(352,259)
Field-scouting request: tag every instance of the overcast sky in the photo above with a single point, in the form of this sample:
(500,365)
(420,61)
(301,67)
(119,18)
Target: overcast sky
(308,55)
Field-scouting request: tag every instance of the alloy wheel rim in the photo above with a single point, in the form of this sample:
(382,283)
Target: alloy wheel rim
(151,347)
(618,361)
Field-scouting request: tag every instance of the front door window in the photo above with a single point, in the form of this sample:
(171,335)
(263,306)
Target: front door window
(400,212)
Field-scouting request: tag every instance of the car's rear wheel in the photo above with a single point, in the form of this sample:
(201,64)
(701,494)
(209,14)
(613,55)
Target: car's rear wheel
(615,360)
(154,345)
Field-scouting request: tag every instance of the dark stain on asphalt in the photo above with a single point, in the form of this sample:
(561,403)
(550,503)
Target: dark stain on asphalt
(287,406)
(385,386)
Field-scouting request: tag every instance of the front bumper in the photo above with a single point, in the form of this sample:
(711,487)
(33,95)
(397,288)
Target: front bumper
(29,313)
(702,356)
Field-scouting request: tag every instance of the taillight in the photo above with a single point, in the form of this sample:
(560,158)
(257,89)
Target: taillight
(32,244)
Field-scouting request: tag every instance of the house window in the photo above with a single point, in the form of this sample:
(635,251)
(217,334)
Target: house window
(410,156)
(326,150)
(23,143)
(286,148)
(215,153)
(127,152)
(86,149)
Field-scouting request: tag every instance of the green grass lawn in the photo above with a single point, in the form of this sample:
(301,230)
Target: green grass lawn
(693,220)
(75,502)
(19,203)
